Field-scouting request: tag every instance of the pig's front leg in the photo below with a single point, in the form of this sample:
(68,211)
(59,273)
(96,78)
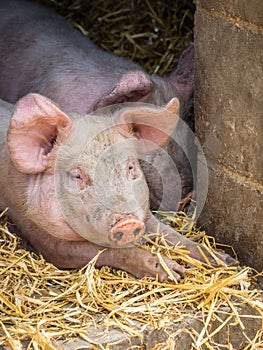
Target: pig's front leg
(175,238)
(139,262)
(76,254)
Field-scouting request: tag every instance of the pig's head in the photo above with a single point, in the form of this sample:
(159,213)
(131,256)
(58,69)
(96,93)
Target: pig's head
(83,177)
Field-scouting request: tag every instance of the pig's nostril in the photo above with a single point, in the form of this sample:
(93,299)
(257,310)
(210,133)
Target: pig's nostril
(136,231)
(118,235)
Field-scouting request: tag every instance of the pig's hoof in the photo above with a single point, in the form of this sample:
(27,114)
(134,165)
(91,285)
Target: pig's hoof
(225,258)
(150,265)
(126,231)
(176,270)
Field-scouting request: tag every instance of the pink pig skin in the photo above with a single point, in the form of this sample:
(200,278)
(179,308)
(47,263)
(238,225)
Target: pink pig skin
(41,52)
(49,192)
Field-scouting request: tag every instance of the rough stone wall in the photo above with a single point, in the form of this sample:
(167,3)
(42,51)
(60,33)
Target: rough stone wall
(229,121)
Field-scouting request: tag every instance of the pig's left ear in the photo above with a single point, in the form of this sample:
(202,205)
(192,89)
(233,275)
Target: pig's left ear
(150,123)
(36,126)
(133,86)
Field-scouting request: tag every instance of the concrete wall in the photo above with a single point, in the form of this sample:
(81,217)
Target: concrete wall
(229,121)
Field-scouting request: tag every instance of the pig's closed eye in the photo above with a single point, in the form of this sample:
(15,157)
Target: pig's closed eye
(76,175)
(79,176)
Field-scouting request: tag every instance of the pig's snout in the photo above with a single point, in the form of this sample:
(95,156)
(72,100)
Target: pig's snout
(126,231)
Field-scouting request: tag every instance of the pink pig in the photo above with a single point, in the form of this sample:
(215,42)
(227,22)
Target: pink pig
(73,183)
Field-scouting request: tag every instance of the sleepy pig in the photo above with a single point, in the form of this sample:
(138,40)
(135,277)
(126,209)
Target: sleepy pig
(41,52)
(73,183)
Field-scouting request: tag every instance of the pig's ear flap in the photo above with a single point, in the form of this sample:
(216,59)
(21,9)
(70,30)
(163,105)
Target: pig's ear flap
(133,86)
(151,125)
(36,126)
(183,77)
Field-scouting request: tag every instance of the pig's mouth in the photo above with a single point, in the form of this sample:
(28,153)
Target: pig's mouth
(126,231)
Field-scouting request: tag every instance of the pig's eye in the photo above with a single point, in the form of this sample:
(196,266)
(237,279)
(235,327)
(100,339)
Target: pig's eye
(76,175)
(132,170)
(80,177)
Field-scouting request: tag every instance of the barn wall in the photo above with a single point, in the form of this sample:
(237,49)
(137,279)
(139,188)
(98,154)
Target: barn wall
(229,121)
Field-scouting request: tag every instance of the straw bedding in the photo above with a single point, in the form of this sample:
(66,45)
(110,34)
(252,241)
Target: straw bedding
(43,304)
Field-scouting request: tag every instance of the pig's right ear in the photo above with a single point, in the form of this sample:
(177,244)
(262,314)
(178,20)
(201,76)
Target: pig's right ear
(36,126)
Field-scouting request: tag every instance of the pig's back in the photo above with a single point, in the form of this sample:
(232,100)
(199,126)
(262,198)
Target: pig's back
(36,22)
(33,37)
(41,52)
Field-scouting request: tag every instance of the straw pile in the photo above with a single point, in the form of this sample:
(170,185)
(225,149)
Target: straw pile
(42,304)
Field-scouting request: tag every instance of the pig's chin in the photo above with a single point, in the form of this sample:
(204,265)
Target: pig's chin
(101,239)
(111,245)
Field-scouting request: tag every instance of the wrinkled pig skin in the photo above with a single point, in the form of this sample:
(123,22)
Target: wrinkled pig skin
(40,52)
(50,192)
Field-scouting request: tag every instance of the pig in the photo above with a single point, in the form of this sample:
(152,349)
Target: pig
(73,183)
(41,52)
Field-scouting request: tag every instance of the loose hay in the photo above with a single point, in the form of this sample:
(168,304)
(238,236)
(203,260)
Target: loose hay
(151,33)
(42,304)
